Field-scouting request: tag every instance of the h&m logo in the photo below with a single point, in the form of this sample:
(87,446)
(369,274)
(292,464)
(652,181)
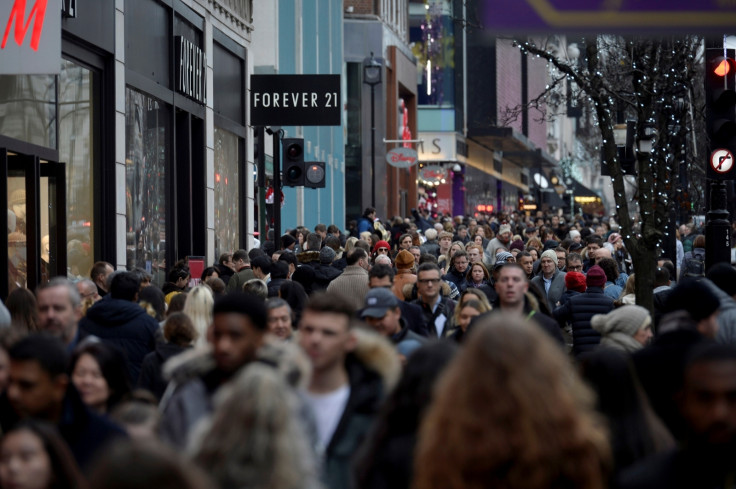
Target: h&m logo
(18,16)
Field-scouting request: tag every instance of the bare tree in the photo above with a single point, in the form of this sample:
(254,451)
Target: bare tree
(657,83)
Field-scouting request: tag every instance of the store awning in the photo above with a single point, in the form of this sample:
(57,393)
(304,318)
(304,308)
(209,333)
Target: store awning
(515,147)
(584,193)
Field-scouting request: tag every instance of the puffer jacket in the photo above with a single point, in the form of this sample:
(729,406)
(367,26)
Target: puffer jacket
(578,311)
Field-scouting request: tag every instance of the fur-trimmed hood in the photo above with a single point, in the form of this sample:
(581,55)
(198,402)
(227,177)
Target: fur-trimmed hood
(308,257)
(286,357)
(378,354)
(375,353)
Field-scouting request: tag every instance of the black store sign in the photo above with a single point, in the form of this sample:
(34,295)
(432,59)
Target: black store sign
(295,100)
(191,70)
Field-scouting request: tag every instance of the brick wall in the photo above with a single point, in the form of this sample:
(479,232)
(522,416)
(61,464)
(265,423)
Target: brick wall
(361,7)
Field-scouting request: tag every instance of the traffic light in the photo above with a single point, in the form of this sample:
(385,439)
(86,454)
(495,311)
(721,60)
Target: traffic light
(314,174)
(720,103)
(293,162)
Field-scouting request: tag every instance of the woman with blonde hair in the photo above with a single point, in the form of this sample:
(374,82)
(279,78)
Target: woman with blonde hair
(198,307)
(527,422)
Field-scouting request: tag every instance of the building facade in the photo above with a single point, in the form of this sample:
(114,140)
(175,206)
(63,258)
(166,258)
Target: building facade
(135,152)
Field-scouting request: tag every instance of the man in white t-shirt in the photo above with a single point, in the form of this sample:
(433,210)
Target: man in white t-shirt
(344,392)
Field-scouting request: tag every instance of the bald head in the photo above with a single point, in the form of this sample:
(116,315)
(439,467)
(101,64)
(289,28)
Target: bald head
(602,253)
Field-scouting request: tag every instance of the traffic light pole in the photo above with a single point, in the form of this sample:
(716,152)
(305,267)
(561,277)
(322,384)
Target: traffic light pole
(721,126)
(276,133)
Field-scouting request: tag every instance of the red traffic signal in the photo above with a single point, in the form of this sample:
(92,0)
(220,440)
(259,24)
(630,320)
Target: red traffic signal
(722,67)
(720,108)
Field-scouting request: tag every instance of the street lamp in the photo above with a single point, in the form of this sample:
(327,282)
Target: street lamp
(372,76)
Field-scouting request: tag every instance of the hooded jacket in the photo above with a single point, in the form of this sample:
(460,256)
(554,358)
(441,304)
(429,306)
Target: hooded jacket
(125,325)
(194,380)
(373,369)
(151,377)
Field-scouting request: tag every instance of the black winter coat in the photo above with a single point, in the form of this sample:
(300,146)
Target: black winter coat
(578,311)
(456,278)
(151,377)
(125,325)
(323,275)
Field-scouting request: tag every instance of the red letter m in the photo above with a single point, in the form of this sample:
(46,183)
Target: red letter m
(17,15)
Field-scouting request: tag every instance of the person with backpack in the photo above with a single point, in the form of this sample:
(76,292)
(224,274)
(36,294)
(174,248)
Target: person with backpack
(693,264)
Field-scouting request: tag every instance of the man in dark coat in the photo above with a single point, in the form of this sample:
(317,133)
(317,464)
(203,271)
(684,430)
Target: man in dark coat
(511,287)
(279,275)
(324,272)
(39,387)
(707,459)
(691,318)
(579,310)
(119,321)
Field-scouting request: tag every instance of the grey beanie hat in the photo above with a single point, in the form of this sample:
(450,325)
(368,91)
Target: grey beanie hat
(551,254)
(327,255)
(625,319)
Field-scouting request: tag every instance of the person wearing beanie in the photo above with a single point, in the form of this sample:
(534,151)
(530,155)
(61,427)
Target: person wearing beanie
(574,285)
(627,328)
(580,309)
(288,242)
(404,273)
(699,301)
(324,272)
(517,245)
(502,240)
(431,246)
(575,236)
(381,248)
(551,280)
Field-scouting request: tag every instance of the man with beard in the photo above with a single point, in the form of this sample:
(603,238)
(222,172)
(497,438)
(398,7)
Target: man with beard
(707,405)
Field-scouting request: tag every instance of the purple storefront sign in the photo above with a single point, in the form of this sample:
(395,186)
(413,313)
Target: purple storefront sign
(522,16)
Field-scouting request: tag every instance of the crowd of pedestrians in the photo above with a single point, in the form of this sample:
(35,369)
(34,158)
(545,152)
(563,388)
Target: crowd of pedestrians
(507,351)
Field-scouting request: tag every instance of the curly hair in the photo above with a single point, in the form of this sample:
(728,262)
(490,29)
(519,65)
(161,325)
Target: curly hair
(528,422)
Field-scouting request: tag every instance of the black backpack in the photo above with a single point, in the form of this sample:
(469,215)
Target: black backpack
(694,266)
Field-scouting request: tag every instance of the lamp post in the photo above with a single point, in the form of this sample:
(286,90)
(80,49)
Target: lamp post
(372,76)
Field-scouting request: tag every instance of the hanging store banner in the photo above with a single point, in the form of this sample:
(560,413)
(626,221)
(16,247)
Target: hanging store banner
(295,100)
(31,37)
(604,16)
(432,174)
(402,157)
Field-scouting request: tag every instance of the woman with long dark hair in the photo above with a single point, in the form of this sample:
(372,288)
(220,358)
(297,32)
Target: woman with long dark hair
(385,462)
(99,373)
(34,456)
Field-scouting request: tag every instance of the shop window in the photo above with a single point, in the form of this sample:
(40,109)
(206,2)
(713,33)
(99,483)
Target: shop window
(227,197)
(28,108)
(147,141)
(76,150)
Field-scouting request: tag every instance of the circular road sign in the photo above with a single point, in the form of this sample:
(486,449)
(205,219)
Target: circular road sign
(721,161)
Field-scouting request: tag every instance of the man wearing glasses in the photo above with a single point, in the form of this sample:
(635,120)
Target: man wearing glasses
(574,263)
(437,310)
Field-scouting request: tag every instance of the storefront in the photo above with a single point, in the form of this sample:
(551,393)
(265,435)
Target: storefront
(134,153)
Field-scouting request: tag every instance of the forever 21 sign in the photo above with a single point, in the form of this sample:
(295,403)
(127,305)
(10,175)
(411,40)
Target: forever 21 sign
(295,100)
